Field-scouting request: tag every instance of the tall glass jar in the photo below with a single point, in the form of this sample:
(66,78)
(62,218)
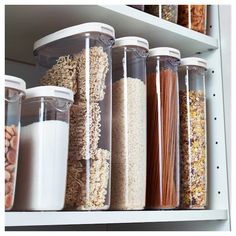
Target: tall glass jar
(43,149)
(165,12)
(14,92)
(79,58)
(162,129)
(193,138)
(193,17)
(129,124)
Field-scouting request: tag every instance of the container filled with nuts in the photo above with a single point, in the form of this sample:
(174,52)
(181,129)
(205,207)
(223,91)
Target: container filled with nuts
(14,92)
(79,58)
(193,142)
(193,17)
(166,12)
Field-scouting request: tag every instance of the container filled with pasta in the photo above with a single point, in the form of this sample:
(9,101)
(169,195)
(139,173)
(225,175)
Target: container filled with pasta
(162,129)
(193,17)
(193,142)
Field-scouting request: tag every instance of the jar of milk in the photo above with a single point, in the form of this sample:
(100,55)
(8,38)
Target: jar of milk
(43,149)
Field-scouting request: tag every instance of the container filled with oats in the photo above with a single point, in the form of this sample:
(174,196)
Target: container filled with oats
(193,140)
(129,124)
(79,58)
(193,17)
(14,92)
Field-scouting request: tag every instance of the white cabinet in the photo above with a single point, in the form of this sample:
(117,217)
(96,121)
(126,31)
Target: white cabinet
(25,24)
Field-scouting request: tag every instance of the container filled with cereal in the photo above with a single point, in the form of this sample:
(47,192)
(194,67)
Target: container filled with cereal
(14,92)
(79,58)
(193,17)
(165,12)
(129,123)
(193,140)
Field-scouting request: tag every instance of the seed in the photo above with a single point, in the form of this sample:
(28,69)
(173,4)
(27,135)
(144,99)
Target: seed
(10,130)
(13,142)
(7,176)
(10,168)
(7,143)
(11,156)
(8,201)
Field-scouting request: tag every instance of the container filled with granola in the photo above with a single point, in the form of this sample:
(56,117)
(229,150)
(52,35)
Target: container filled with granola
(14,92)
(166,12)
(79,58)
(193,140)
(193,17)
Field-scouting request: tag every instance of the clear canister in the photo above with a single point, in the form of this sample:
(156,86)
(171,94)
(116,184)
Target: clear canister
(43,151)
(193,139)
(79,58)
(128,186)
(14,92)
(162,129)
(193,17)
(166,12)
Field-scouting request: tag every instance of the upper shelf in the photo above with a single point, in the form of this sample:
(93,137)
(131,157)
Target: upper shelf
(109,217)
(27,23)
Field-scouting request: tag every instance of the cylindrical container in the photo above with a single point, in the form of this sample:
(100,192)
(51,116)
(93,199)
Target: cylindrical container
(193,139)
(166,12)
(79,58)
(129,124)
(193,17)
(43,149)
(14,92)
(162,129)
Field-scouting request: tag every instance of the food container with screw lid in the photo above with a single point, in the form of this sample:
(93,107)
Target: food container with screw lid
(79,58)
(128,186)
(162,129)
(43,149)
(14,93)
(193,138)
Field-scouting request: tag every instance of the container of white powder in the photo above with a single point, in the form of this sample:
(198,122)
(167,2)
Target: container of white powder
(128,182)
(43,151)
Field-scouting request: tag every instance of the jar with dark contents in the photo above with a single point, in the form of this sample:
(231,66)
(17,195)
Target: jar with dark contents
(138,7)
(166,12)
(193,17)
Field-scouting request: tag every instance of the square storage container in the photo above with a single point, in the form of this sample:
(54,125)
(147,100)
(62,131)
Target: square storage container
(79,58)
(14,93)
(43,152)
(193,137)
(129,123)
(162,129)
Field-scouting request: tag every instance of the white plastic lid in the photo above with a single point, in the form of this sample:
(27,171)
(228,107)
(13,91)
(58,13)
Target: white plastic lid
(193,61)
(164,51)
(132,41)
(73,30)
(15,83)
(50,91)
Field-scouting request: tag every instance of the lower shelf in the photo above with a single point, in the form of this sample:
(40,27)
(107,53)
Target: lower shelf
(109,217)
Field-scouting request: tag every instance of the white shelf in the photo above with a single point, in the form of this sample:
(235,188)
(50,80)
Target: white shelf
(109,217)
(26,24)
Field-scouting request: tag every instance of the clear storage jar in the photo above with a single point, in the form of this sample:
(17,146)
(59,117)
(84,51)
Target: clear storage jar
(193,138)
(43,149)
(162,129)
(166,12)
(14,92)
(79,58)
(129,124)
(193,17)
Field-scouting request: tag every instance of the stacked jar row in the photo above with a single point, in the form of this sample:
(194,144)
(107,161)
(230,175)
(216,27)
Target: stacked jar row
(191,16)
(117,103)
